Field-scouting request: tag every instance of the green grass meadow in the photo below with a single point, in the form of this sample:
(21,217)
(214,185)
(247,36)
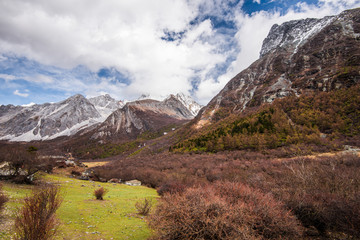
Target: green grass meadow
(83,217)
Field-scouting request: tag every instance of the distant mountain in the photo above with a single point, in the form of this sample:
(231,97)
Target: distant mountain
(188,102)
(147,115)
(106,105)
(51,120)
(66,118)
(297,57)
(47,121)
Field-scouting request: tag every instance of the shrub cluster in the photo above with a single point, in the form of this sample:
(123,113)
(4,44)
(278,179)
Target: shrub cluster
(24,163)
(323,192)
(223,211)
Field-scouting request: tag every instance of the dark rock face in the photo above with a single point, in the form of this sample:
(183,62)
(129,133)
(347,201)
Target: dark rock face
(296,57)
(143,115)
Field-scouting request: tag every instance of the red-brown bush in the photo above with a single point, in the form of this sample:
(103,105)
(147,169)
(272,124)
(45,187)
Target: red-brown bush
(100,193)
(36,220)
(323,192)
(223,211)
(3,199)
(171,187)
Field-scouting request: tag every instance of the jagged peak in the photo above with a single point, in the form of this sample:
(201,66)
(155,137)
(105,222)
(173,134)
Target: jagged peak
(293,34)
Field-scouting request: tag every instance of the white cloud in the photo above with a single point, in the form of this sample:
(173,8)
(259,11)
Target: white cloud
(7,77)
(121,34)
(257,1)
(126,35)
(18,93)
(39,78)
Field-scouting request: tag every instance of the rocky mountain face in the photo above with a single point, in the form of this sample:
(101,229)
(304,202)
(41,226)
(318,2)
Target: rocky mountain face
(188,102)
(48,121)
(297,57)
(66,118)
(105,105)
(146,115)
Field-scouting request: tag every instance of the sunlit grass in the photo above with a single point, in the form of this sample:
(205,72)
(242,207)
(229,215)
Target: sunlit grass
(83,217)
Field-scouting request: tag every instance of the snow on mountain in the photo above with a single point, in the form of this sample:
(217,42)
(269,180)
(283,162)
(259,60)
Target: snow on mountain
(66,118)
(145,115)
(105,105)
(47,121)
(28,105)
(189,103)
(186,100)
(293,33)
(151,97)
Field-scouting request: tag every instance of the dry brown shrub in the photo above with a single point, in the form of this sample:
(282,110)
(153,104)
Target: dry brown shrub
(171,187)
(324,193)
(144,207)
(100,193)
(36,220)
(224,211)
(270,217)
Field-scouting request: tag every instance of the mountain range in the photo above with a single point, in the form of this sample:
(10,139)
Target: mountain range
(66,118)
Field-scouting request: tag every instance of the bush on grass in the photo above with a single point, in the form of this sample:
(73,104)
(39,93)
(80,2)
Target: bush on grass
(36,220)
(100,193)
(144,207)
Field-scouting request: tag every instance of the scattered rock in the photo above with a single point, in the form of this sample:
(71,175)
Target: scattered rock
(114,180)
(133,183)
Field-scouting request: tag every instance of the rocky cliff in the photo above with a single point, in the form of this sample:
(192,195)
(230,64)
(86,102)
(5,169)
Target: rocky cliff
(296,57)
(144,115)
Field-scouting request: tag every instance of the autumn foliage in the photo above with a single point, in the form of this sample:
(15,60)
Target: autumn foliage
(315,119)
(223,211)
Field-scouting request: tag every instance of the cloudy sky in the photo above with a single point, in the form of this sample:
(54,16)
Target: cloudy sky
(52,49)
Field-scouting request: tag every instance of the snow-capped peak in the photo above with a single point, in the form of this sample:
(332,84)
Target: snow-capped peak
(293,33)
(105,104)
(188,102)
(28,105)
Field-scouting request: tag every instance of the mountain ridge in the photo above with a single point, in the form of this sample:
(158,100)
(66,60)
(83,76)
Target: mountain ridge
(68,117)
(326,59)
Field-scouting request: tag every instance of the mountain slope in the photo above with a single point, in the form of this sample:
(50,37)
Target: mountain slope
(188,102)
(297,57)
(144,115)
(105,105)
(318,121)
(66,118)
(47,121)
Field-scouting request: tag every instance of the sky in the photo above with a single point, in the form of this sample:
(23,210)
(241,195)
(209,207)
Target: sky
(53,49)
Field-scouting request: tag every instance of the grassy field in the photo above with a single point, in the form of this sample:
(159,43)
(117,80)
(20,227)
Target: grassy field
(83,217)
